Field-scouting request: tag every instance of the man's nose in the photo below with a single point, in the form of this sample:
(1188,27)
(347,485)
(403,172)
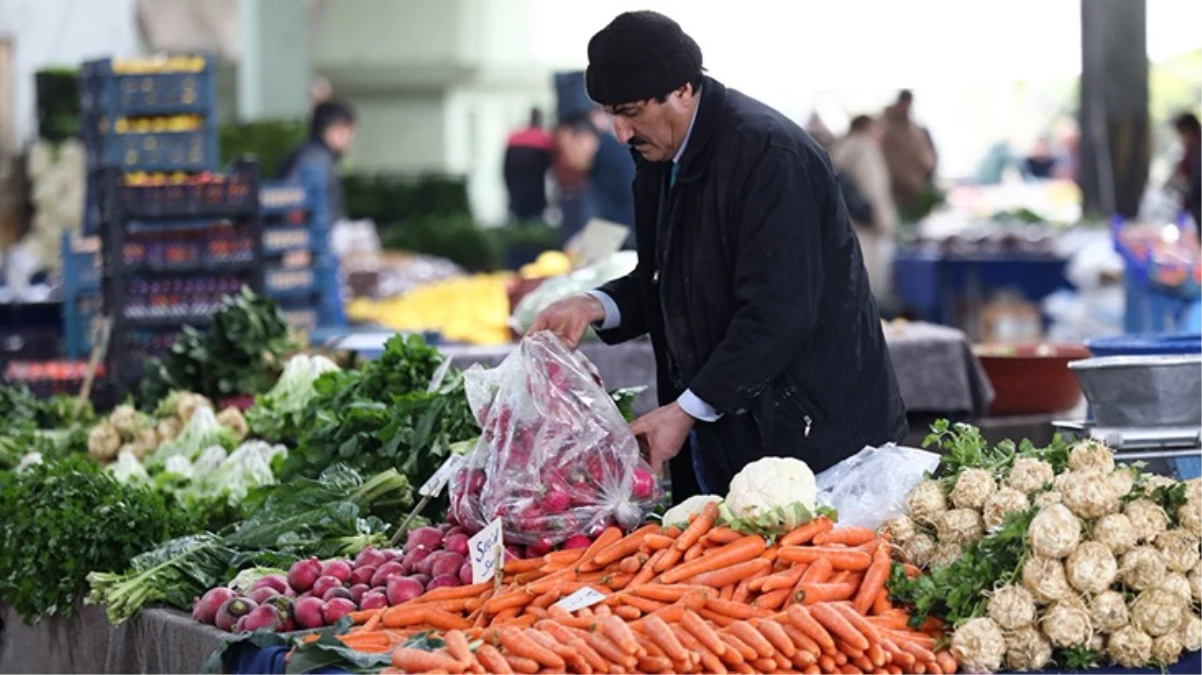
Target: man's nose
(622,129)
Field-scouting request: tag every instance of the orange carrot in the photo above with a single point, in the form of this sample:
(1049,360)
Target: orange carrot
(747,548)
(840,559)
(715,618)
(837,624)
(806,533)
(741,593)
(877,655)
(604,540)
(520,664)
(703,632)
(765,665)
(723,535)
(801,617)
(517,642)
(662,635)
(810,594)
(911,571)
(947,662)
(826,663)
(745,650)
(627,612)
(617,630)
(654,664)
(708,658)
(491,659)
(657,542)
(664,593)
(647,573)
(899,656)
(517,599)
(623,547)
(567,556)
(786,579)
(698,528)
(753,638)
(632,563)
(801,640)
(847,536)
(418,661)
(818,572)
(644,605)
(695,551)
(735,610)
(670,558)
(856,619)
(775,633)
(733,574)
(874,579)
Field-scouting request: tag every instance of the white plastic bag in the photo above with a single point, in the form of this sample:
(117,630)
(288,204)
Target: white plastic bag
(870,487)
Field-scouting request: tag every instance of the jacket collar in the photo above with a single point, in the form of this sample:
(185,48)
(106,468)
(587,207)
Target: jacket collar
(706,122)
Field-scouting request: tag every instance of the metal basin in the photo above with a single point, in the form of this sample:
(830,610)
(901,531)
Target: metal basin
(1143,391)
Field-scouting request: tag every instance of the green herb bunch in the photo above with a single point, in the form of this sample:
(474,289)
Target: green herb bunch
(61,520)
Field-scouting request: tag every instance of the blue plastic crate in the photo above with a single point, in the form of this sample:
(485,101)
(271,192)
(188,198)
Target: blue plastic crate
(156,151)
(105,92)
(277,240)
(282,197)
(1146,343)
(291,281)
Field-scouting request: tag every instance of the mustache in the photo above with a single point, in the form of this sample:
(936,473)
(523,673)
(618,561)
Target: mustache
(636,141)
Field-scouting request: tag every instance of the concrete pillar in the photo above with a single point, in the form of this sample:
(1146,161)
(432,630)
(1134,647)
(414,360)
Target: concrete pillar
(274,73)
(1115,133)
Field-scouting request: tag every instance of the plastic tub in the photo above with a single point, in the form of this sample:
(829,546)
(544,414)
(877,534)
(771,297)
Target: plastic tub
(1146,344)
(1031,378)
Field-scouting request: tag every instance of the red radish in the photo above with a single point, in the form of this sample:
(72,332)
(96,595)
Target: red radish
(304,573)
(443,581)
(445,562)
(577,541)
(465,574)
(232,610)
(263,617)
(454,532)
(370,557)
(391,554)
(539,548)
(276,581)
(289,625)
(456,543)
(309,613)
(283,603)
(423,579)
(358,591)
(386,570)
(555,501)
(325,583)
(339,569)
(262,595)
(373,600)
(413,560)
(205,608)
(642,483)
(363,574)
(337,592)
(443,528)
(428,538)
(336,609)
(403,589)
(426,563)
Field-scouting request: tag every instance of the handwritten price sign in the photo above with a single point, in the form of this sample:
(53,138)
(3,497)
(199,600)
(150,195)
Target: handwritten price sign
(487,551)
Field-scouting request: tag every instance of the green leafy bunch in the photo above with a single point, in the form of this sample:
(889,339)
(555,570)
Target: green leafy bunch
(240,353)
(385,416)
(61,520)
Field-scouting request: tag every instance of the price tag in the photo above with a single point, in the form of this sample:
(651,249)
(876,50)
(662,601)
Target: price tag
(585,597)
(434,486)
(487,550)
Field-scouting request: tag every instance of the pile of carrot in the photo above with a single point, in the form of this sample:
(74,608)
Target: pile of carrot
(703,600)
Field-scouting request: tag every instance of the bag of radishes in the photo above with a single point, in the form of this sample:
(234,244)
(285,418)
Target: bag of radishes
(555,457)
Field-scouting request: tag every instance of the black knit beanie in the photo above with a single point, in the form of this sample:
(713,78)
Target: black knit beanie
(638,56)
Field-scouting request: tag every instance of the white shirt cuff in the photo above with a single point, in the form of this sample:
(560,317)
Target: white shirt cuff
(613,315)
(696,408)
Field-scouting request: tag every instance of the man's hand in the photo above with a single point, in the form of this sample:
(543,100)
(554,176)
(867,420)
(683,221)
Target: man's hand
(665,430)
(569,318)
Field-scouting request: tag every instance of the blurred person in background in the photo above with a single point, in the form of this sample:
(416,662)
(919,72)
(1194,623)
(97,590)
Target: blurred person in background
(859,160)
(908,151)
(575,144)
(1187,176)
(331,131)
(749,279)
(1040,164)
(527,161)
(604,168)
(1068,144)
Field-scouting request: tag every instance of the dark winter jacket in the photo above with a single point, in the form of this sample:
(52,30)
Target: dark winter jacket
(755,295)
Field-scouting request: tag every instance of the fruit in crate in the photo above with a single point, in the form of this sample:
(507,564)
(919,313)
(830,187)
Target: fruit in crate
(153,66)
(548,264)
(472,309)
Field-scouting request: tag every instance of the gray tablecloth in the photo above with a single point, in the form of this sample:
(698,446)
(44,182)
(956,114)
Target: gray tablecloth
(935,366)
(154,641)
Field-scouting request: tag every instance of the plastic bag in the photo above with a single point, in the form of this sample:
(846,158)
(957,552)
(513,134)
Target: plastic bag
(870,487)
(555,457)
(612,267)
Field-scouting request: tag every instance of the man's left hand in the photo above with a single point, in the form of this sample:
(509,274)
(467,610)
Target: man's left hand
(665,429)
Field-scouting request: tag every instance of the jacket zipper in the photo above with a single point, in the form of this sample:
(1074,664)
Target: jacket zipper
(809,423)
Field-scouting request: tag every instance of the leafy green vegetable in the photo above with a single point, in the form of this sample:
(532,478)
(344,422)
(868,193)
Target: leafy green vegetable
(240,353)
(384,417)
(279,415)
(62,519)
(1076,658)
(625,399)
(325,517)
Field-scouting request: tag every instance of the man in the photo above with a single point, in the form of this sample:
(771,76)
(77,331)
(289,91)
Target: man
(858,158)
(527,160)
(749,280)
(908,150)
(331,130)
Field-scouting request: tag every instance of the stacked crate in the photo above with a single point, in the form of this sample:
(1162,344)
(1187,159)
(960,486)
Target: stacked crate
(81,293)
(301,274)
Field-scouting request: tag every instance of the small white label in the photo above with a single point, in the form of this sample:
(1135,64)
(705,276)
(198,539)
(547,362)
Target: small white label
(439,375)
(435,484)
(585,597)
(486,549)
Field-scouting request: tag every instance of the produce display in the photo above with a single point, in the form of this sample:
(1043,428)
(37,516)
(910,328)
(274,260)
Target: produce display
(1053,555)
(472,309)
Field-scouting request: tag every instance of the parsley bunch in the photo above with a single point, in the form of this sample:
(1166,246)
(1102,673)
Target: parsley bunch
(63,519)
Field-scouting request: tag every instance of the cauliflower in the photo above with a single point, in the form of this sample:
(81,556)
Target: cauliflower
(678,515)
(776,493)
(232,418)
(104,441)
